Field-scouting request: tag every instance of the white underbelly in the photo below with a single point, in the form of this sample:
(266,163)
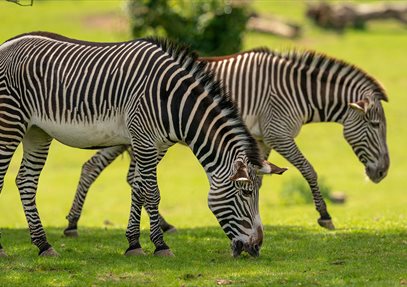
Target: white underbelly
(87,135)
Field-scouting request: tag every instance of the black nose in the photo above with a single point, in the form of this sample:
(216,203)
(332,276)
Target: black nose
(256,247)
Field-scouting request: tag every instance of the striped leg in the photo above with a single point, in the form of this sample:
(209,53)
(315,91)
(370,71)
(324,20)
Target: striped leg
(36,145)
(90,172)
(164,225)
(288,149)
(10,138)
(6,153)
(145,193)
(151,206)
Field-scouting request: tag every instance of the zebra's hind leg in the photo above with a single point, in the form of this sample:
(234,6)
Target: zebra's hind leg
(90,172)
(288,149)
(165,226)
(35,146)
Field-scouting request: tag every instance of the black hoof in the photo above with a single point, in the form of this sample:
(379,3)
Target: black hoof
(50,252)
(170,230)
(164,253)
(326,223)
(166,227)
(135,252)
(71,232)
(3,253)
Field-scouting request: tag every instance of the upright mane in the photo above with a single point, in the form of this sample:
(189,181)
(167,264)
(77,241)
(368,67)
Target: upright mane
(61,38)
(311,59)
(188,60)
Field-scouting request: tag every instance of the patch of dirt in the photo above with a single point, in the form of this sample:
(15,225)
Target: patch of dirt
(223,282)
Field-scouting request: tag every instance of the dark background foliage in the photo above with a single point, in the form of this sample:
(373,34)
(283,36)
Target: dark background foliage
(211,27)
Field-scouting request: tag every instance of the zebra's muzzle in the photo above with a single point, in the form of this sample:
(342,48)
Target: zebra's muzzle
(376,174)
(238,247)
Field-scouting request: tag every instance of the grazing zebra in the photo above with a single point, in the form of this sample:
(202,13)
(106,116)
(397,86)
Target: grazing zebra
(276,94)
(148,94)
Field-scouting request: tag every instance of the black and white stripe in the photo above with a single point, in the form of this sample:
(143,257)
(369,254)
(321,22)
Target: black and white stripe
(148,94)
(277,93)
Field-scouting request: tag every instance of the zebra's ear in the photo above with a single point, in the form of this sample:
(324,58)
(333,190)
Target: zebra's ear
(269,168)
(362,105)
(241,173)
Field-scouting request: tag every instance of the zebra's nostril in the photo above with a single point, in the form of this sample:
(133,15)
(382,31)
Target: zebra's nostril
(256,247)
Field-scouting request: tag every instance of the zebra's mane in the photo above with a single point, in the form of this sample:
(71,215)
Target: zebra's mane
(316,61)
(61,38)
(188,60)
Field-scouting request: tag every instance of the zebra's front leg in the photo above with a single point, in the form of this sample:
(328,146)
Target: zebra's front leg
(90,172)
(6,153)
(145,192)
(164,225)
(133,228)
(140,198)
(288,149)
(35,145)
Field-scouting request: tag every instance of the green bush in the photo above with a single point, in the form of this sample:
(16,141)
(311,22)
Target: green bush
(211,27)
(297,191)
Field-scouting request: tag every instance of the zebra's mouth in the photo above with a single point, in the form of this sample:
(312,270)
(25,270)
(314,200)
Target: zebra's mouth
(375,174)
(238,247)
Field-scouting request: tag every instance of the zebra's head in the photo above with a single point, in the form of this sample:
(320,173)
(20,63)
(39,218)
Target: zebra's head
(234,199)
(365,131)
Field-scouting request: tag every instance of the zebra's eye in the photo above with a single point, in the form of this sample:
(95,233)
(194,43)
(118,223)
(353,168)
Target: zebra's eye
(375,125)
(245,188)
(246,191)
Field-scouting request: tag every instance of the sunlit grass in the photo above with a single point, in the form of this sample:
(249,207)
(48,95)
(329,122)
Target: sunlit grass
(368,248)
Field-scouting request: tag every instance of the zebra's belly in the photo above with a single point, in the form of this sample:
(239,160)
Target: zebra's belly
(87,135)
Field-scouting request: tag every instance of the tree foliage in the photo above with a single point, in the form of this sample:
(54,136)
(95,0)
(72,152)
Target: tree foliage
(211,27)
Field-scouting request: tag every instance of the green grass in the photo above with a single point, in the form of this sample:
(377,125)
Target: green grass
(295,256)
(368,248)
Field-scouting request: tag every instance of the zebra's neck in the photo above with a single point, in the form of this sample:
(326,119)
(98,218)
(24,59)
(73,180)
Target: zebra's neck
(215,134)
(201,114)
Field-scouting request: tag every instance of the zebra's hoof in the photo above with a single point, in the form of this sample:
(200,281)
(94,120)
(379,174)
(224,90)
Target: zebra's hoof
(3,253)
(164,253)
(135,252)
(326,223)
(71,232)
(171,230)
(50,252)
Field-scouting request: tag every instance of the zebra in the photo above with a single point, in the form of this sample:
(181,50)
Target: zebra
(277,93)
(146,93)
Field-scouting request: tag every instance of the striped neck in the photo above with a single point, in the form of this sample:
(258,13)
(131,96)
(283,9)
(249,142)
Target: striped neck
(211,127)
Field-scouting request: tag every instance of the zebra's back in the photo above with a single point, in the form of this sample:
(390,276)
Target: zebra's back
(71,88)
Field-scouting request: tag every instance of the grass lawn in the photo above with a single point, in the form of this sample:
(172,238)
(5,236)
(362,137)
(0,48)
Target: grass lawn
(369,247)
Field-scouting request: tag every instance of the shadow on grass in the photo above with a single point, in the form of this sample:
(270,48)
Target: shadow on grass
(289,255)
